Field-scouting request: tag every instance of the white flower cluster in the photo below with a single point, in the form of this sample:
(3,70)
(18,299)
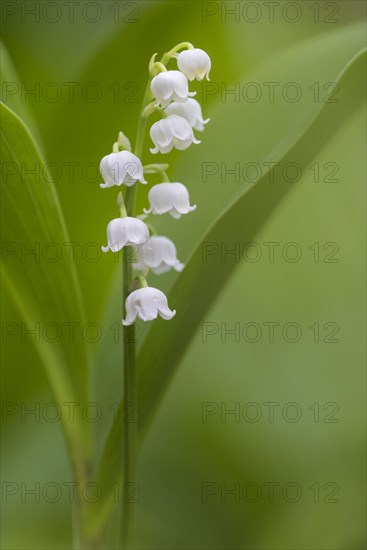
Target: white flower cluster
(182,114)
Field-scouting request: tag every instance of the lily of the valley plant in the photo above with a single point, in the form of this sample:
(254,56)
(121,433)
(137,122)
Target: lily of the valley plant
(168,95)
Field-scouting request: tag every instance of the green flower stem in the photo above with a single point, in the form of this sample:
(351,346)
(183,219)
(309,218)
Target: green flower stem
(130,425)
(142,281)
(157,169)
(183,45)
(130,435)
(121,204)
(158,67)
(152,230)
(152,168)
(165,178)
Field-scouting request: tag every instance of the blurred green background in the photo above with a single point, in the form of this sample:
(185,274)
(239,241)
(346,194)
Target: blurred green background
(321,454)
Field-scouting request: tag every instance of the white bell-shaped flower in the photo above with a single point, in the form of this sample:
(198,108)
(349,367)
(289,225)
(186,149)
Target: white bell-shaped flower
(125,232)
(194,63)
(171,198)
(147,303)
(170,85)
(122,167)
(159,254)
(173,131)
(190,111)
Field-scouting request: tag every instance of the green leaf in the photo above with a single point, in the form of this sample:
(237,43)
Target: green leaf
(249,206)
(280,132)
(195,291)
(10,90)
(38,272)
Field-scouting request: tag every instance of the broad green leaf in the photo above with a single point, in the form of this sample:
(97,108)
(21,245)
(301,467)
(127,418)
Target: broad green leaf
(11,90)
(207,271)
(38,272)
(291,133)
